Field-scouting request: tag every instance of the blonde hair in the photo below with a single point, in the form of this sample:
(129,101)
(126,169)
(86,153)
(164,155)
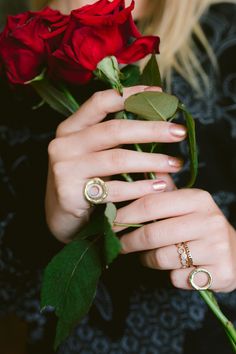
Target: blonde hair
(177,24)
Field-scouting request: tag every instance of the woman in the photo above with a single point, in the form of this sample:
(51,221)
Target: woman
(150,315)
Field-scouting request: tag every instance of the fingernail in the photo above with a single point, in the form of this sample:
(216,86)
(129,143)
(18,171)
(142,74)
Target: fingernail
(153,88)
(174,162)
(159,186)
(178,131)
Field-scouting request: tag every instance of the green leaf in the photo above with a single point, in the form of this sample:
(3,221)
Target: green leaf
(70,282)
(55,98)
(151,74)
(131,75)
(152,105)
(112,246)
(110,213)
(93,227)
(192,144)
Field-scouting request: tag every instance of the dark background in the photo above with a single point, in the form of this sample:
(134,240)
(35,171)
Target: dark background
(13,331)
(10,7)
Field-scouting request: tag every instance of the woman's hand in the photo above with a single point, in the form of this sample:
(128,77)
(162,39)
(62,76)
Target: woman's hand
(187,215)
(85,147)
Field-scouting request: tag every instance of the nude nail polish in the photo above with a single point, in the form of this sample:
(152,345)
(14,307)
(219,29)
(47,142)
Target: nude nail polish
(159,186)
(175,162)
(178,130)
(153,89)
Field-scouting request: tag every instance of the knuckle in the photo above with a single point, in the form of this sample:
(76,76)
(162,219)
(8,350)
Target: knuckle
(114,193)
(203,197)
(163,161)
(60,129)
(161,259)
(160,129)
(222,249)
(113,128)
(52,148)
(147,205)
(63,197)
(218,228)
(220,224)
(226,275)
(174,278)
(55,148)
(58,170)
(117,158)
(149,237)
(97,99)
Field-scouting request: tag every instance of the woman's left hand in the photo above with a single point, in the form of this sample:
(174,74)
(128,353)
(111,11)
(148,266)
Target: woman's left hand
(185,215)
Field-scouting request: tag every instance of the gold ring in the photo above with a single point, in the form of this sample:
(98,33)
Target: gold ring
(95,191)
(189,256)
(195,272)
(185,256)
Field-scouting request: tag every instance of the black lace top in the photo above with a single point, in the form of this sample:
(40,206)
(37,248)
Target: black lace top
(136,310)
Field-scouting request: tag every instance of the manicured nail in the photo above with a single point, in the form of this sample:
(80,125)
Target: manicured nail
(159,186)
(174,162)
(153,88)
(178,131)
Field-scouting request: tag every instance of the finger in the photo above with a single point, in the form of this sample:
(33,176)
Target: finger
(167,258)
(168,179)
(117,132)
(96,108)
(171,204)
(163,233)
(119,191)
(72,199)
(220,278)
(117,161)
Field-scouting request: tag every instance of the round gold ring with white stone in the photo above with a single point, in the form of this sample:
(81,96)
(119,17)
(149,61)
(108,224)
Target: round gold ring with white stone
(192,278)
(95,191)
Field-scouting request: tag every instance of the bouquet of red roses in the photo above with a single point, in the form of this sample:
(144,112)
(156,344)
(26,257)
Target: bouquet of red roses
(51,52)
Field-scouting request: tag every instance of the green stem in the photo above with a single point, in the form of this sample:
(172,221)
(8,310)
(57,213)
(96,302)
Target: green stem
(210,300)
(127,225)
(139,149)
(127,177)
(231,341)
(73,103)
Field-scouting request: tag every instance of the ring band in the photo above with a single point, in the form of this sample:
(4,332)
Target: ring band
(194,273)
(95,191)
(189,256)
(185,256)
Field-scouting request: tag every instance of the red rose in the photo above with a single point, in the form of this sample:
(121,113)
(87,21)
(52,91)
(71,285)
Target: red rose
(94,32)
(22,47)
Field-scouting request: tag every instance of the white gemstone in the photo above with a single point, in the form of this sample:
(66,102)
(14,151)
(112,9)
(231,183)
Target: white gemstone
(183,256)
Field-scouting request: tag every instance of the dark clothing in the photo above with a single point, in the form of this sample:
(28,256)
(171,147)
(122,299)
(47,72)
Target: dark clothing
(136,309)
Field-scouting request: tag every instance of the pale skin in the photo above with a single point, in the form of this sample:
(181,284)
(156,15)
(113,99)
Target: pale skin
(86,147)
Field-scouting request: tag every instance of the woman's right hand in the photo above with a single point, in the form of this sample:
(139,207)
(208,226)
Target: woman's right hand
(85,147)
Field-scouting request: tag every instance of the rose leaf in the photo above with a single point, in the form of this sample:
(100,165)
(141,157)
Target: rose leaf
(70,282)
(55,98)
(152,105)
(151,74)
(94,226)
